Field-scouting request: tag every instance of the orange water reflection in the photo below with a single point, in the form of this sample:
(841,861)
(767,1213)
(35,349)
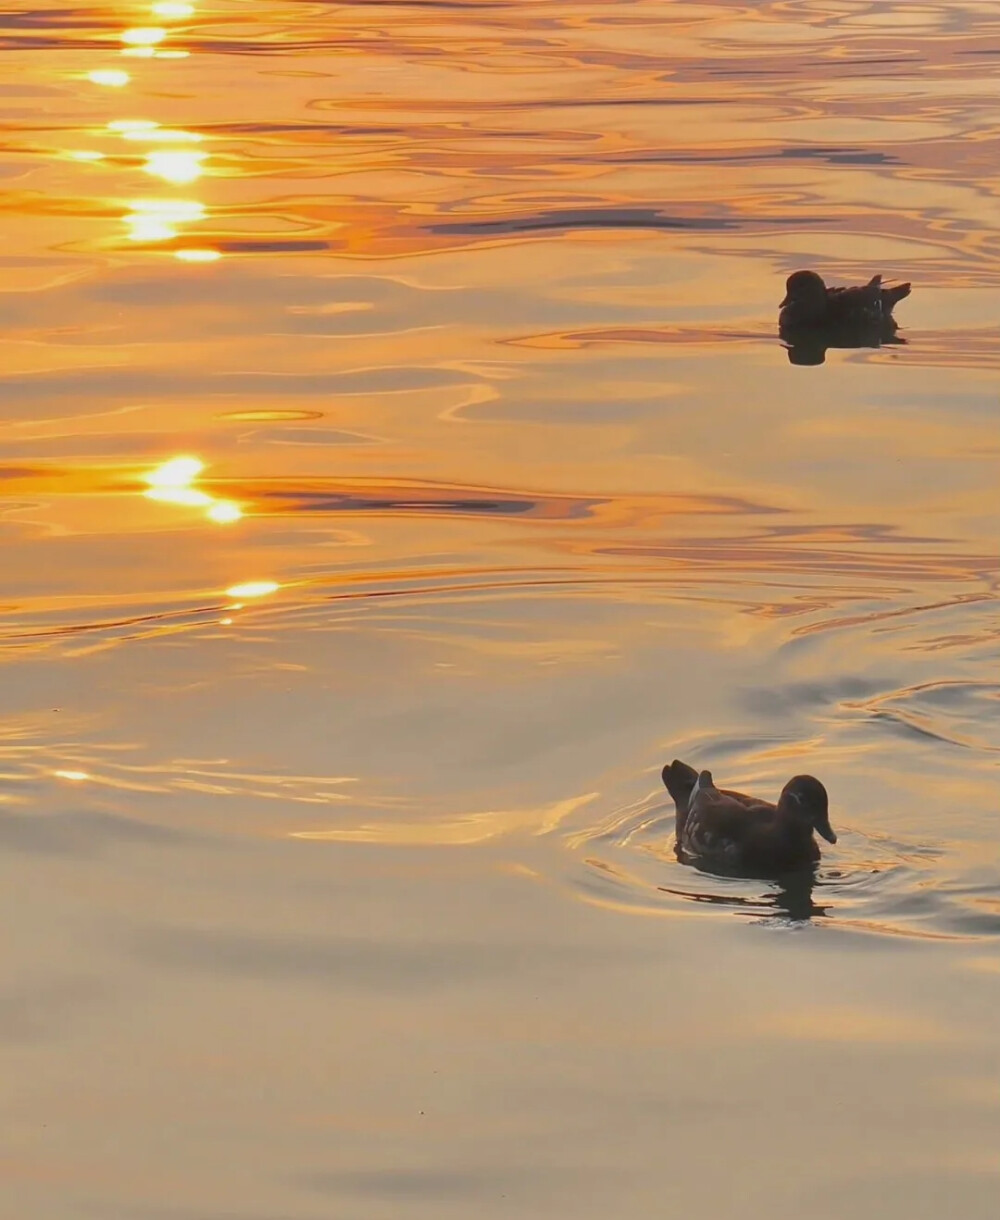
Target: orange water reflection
(511,329)
(400,464)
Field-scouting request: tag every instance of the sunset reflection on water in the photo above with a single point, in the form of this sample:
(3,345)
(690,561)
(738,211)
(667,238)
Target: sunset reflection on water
(401,464)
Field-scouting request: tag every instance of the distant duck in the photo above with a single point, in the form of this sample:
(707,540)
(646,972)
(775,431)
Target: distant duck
(731,832)
(809,303)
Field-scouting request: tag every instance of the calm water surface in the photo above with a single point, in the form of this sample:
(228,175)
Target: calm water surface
(399,466)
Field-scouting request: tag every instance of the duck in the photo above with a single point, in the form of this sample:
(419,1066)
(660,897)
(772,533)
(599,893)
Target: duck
(809,303)
(731,832)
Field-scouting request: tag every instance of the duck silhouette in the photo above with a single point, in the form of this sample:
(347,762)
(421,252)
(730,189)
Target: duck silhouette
(814,317)
(733,833)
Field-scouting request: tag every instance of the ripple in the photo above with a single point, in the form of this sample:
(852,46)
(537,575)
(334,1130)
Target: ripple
(582,218)
(871,884)
(959,713)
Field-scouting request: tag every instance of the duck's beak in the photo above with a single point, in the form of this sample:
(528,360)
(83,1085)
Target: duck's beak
(786,301)
(826,830)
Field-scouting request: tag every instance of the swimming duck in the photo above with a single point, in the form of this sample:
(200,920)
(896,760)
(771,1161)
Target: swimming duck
(733,832)
(809,303)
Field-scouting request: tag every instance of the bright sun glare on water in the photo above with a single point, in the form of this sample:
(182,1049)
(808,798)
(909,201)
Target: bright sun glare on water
(112,78)
(152,220)
(198,255)
(173,483)
(144,36)
(253,588)
(178,166)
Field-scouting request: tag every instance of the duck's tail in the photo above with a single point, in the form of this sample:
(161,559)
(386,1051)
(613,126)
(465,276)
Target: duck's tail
(892,296)
(679,780)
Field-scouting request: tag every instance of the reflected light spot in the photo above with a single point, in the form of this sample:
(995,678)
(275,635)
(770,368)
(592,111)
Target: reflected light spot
(178,472)
(200,255)
(226,622)
(143,229)
(144,36)
(223,512)
(74,775)
(87,154)
(139,52)
(169,209)
(253,588)
(128,126)
(172,8)
(153,131)
(171,483)
(174,165)
(114,78)
(165,54)
(156,219)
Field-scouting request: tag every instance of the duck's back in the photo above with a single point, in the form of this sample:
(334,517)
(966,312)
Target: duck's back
(861,303)
(680,780)
(736,833)
(720,823)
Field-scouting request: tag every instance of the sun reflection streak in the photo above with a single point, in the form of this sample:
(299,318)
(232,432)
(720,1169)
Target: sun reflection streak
(179,166)
(172,482)
(152,220)
(253,588)
(128,127)
(200,254)
(178,472)
(111,78)
(222,512)
(144,36)
(154,133)
(157,220)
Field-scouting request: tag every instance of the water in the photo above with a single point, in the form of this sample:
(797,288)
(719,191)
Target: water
(399,466)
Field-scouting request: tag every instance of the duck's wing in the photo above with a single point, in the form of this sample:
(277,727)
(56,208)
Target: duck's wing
(859,300)
(716,824)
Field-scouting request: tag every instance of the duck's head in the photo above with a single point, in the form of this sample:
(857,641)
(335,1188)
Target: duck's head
(806,291)
(805,797)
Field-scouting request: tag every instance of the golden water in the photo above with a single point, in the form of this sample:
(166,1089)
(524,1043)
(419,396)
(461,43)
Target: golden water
(399,466)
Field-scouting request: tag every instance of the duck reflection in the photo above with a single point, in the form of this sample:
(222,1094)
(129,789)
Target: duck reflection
(809,345)
(790,898)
